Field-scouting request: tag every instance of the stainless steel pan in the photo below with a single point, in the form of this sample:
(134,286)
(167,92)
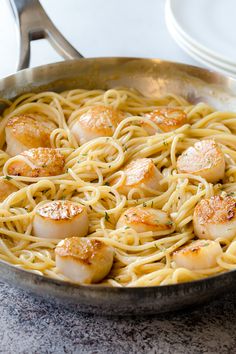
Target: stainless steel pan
(151,77)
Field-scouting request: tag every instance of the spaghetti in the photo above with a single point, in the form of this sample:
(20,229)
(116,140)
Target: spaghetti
(141,258)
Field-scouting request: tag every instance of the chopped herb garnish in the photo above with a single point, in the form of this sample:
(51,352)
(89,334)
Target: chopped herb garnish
(127,227)
(84,154)
(107,184)
(8,178)
(152,204)
(165,143)
(107,217)
(206,244)
(169,222)
(144,204)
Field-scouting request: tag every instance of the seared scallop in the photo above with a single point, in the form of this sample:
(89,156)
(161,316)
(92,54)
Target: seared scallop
(142,174)
(143,219)
(84,260)
(6,188)
(166,118)
(25,132)
(96,122)
(60,219)
(197,255)
(204,159)
(40,162)
(215,218)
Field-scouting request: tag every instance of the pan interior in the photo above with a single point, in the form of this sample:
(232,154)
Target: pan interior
(152,77)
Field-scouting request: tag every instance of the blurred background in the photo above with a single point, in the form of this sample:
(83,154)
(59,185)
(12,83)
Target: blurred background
(96,28)
(198,32)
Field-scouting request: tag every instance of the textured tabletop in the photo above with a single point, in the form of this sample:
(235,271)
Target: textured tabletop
(29,325)
(85,24)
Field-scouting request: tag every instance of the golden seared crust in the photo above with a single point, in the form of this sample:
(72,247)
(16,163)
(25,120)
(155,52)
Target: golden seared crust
(102,119)
(82,249)
(138,171)
(168,118)
(6,188)
(205,154)
(215,210)
(200,254)
(60,210)
(146,216)
(46,162)
(29,131)
(194,248)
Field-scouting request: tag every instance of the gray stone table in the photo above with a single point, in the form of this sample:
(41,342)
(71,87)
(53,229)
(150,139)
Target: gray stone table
(30,325)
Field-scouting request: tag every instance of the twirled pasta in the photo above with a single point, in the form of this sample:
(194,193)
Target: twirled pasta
(141,259)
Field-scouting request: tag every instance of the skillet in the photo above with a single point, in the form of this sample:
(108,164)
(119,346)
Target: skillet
(150,77)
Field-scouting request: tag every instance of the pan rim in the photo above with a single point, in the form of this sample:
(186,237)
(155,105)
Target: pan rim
(121,59)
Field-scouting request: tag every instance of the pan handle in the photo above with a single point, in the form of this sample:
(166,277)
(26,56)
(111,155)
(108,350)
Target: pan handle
(33,23)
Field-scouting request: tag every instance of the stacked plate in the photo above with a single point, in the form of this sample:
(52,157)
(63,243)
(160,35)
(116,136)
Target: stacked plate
(205,29)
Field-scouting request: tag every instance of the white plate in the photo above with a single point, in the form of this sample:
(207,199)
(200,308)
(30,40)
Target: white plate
(189,46)
(201,49)
(196,54)
(208,25)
